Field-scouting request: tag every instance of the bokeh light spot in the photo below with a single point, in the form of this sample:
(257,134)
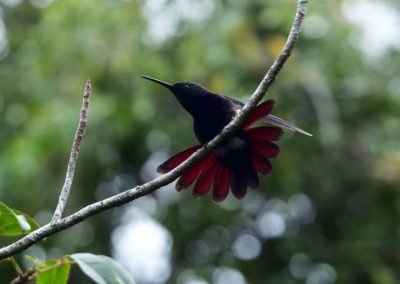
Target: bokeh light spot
(321,274)
(41,3)
(315,26)
(300,265)
(300,207)
(143,246)
(378,22)
(224,275)
(246,247)
(11,3)
(271,225)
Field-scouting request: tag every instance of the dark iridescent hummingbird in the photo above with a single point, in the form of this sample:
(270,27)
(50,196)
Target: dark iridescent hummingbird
(235,162)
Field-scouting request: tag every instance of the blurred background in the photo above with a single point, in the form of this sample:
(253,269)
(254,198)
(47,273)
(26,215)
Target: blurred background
(328,214)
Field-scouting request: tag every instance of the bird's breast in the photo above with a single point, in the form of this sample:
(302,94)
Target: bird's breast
(210,123)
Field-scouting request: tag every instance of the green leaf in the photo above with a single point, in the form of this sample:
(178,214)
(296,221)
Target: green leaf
(14,222)
(54,272)
(102,269)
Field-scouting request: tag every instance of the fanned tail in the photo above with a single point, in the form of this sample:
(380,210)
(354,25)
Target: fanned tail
(235,165)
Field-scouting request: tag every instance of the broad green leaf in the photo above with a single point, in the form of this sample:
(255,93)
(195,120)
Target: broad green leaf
(102,269)
(51,273)
(14,222)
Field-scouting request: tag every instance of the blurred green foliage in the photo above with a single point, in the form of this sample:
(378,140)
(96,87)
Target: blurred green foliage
(330,211)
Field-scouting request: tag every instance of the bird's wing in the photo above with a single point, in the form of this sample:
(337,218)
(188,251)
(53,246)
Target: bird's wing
(272,118)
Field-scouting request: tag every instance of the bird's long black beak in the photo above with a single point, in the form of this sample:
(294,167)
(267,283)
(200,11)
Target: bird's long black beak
(165,84)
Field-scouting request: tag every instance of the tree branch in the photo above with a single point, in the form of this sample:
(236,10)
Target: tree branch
(79,134)
(144,189)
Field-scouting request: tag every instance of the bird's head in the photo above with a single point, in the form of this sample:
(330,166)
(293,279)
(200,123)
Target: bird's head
(189,95)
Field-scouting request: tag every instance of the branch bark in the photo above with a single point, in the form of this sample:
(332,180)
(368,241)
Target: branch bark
(144,189)
(79,134)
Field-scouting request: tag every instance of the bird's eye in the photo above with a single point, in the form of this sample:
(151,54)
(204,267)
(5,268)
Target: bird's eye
(186,86)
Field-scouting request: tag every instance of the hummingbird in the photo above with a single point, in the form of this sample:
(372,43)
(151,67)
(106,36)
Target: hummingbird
(236,162)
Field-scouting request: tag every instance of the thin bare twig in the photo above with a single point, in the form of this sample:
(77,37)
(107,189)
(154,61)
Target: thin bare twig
(141,190)
(15,264)
(28,276)
(79,134)
(23,278)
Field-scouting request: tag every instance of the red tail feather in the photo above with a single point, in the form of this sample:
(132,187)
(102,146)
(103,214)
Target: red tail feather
(238,185)
(260,163)
(192,173)
(177,159)
(221,184)
(259,112)
(253,181)
(265,148)
(270,133)
(206,178)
